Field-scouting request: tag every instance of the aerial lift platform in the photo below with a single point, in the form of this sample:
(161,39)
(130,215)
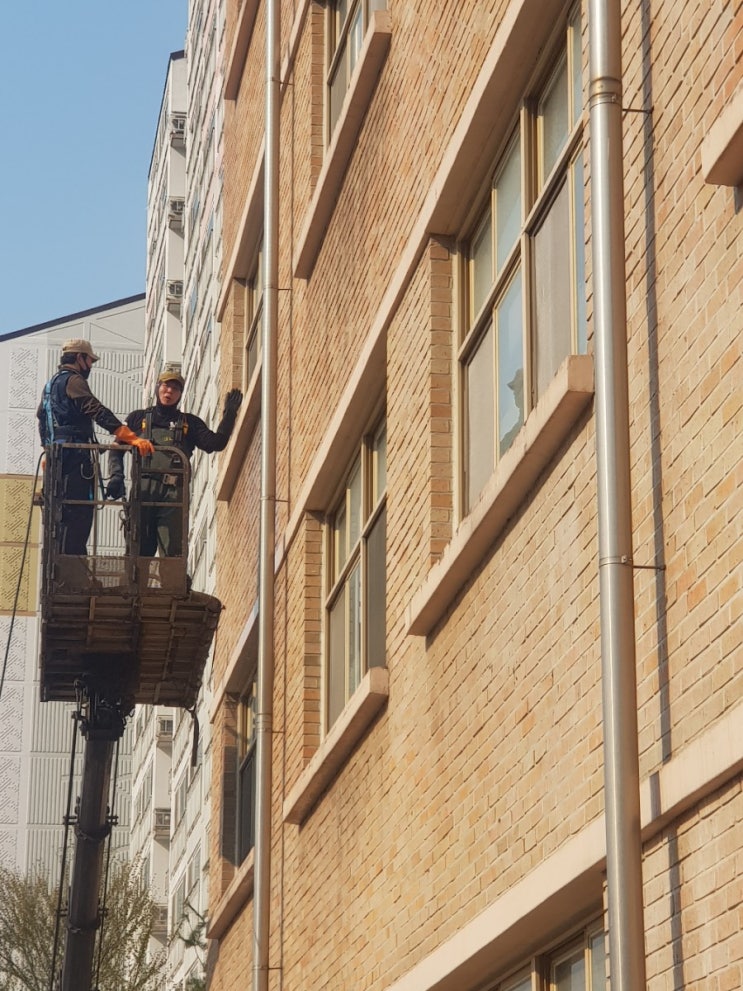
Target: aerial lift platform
(117,630)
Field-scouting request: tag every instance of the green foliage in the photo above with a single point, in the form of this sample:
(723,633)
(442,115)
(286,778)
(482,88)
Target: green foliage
(27,911)
(192,933)
(27,922)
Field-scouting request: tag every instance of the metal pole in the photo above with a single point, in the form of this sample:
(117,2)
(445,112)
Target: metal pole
(83,920)
(621,765)
(264,691)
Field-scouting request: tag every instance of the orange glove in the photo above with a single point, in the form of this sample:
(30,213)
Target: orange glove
(127,436)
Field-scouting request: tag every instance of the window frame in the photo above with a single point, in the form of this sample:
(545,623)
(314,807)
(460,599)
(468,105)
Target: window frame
(254,295)
(341,38)
(178,905)
(246,768)
(538,194)
(538,973)
(337,573)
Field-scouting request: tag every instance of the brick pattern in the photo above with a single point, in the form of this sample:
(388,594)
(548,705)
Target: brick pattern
(488,756)
(317,89)
(684,298)
(224,775)
(693,898)
(243,129)
(441,351)
(238,525)
(310,697)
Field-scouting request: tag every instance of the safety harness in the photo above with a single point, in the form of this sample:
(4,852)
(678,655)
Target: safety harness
(63,422)
(171,436)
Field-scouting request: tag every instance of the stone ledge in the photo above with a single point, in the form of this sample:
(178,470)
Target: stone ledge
(338,155)
(238,892)
(722,148)
(240,45)
(569,882)
(539,439)
(247,420)
(338,745)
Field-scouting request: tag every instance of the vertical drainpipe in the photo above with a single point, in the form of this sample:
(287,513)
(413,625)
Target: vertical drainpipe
(621,764)
(264,691)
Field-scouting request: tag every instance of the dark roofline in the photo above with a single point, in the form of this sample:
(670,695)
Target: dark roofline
(51,324)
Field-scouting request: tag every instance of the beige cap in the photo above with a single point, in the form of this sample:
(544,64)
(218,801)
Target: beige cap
(78,346)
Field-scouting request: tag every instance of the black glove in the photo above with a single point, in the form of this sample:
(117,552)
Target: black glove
(115,488)
(233,401)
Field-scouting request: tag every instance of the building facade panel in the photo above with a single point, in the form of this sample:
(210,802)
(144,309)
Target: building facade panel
(438,809)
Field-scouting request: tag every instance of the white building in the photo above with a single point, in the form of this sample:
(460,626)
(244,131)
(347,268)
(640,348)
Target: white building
(184,257)
(153,727)
(191,809)
(35,738)
(165,223)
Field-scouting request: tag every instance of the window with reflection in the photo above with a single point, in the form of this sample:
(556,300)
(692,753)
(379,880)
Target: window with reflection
(523,267)
(356,586)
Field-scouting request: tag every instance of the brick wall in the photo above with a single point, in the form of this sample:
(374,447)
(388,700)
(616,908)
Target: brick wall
(488,757)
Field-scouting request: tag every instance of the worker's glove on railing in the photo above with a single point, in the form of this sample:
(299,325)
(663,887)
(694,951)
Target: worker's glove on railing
(232,401)
(127,436)
(115,488)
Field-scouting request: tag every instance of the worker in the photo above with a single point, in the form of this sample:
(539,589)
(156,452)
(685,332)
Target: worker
(161,526)
(66,415)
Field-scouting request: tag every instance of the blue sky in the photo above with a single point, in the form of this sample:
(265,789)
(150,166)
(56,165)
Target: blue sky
(80,89)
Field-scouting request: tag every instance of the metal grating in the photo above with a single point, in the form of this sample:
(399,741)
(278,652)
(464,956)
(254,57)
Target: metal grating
(153,647)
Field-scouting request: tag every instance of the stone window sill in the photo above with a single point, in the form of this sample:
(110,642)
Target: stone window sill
(228,906)
(338,745)
(365,76)
(239,51)
(722,148)
(534,447)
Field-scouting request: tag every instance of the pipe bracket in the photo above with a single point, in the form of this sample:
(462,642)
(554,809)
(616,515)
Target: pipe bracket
(604,89)
(616,559)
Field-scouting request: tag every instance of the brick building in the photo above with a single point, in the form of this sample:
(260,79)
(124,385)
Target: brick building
(437,815)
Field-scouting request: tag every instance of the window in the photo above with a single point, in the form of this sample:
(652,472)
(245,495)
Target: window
(579,965)
(144,874)
(253,314)
(523,268)
(177,906)
(246,773)
(193,880)
(355,602)
(179,799)
(347,24)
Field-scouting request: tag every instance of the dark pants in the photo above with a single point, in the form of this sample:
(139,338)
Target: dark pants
(77,483)
(161,527)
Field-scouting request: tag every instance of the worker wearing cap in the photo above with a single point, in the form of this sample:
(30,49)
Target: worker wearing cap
(66,415)
(167,426)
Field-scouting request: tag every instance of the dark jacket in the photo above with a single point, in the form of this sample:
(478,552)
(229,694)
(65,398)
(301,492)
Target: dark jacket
(187,431)
(68,409)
